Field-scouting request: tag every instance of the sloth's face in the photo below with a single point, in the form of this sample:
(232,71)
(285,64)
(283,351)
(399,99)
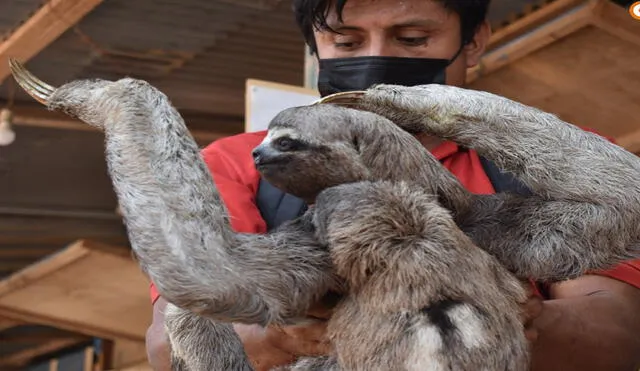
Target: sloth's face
(301,156)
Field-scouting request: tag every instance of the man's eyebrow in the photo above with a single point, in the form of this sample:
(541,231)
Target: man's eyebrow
(418,22)
(338,26)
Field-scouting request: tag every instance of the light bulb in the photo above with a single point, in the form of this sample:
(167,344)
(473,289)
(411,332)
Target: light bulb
(7,135)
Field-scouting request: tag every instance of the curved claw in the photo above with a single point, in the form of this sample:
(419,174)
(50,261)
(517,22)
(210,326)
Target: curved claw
(346,98)
(36,88)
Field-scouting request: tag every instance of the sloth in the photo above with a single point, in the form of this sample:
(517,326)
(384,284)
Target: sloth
(425,283)
(584,213)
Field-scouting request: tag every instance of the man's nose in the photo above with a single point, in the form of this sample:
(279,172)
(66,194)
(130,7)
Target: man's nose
(379,46)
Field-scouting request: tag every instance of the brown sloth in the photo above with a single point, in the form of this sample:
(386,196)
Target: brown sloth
(419,260)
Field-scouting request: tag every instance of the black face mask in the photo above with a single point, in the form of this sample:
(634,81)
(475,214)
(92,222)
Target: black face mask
(359,73)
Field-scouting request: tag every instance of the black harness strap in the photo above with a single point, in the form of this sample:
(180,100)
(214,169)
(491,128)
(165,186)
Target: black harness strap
(276,207)
(503,181)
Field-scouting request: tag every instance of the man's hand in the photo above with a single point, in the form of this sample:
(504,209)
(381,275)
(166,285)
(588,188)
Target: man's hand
(590,323)
(278,346)
(531,309)
(281,345)
(156,342)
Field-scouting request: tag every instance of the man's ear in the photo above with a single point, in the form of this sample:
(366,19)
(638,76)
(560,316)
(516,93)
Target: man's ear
(475,49)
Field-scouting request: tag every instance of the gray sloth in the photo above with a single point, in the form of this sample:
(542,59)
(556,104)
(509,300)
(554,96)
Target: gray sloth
(427,271)
(584,213)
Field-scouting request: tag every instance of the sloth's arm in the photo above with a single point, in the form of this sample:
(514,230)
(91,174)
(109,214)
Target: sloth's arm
(176,220)
(557,160)
(585,214)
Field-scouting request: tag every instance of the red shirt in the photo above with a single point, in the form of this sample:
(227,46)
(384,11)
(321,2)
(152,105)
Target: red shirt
(230,161)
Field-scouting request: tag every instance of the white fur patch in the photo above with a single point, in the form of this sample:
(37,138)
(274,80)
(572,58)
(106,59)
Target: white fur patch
(426,350)
(267,139)
(275,133)
(468,324)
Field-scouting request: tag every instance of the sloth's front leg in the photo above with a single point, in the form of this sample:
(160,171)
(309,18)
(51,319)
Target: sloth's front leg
(176,220)
(585,211)
(555,158)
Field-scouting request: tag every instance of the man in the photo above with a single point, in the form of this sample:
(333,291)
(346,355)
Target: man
(590,323)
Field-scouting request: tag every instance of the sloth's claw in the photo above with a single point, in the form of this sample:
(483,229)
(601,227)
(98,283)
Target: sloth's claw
(346,99)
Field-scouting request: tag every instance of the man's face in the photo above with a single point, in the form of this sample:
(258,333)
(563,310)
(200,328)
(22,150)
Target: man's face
(401,28)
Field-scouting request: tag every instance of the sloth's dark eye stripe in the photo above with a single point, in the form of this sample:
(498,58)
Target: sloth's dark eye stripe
(286,144)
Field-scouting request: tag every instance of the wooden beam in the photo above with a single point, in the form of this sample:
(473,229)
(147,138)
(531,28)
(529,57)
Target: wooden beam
(22,251)
(6,323)
(530,21)
(617,21)
(17,230)
(40,319)
(44,27)
(15,264)
(59,212)
(23,357)
(40,337)
(103,303)
(571,21)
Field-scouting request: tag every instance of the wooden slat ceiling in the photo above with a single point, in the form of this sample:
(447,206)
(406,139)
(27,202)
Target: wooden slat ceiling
(598,83)
(54,188)
(199,51)
(583,66)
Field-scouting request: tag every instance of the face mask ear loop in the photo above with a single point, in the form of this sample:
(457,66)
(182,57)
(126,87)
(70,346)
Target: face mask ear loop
(463,43)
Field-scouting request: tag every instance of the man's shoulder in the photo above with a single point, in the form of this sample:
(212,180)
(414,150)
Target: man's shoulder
(234,147)
(243,140)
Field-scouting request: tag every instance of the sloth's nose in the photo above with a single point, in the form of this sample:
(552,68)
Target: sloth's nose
(257,154)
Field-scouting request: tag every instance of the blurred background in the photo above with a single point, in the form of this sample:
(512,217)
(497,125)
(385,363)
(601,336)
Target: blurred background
(71,298)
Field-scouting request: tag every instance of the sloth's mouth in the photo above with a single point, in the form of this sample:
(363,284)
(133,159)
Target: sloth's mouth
(264,162)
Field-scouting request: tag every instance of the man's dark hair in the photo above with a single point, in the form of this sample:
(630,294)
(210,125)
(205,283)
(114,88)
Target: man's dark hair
(312,14)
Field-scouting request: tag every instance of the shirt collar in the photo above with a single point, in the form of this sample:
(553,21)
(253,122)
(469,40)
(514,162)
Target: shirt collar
(445,149)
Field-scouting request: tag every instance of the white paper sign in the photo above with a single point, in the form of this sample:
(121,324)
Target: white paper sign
(264,100)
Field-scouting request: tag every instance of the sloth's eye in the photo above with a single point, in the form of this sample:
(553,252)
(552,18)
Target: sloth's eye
(287,144)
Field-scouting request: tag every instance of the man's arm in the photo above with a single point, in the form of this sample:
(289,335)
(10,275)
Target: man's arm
(590,323)
(156,340)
